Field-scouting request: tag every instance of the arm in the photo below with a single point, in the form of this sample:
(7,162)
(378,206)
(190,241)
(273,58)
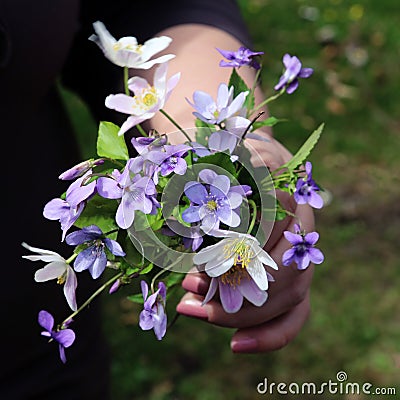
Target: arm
(273,325)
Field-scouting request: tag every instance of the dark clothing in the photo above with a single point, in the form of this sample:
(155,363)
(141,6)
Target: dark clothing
(41,41)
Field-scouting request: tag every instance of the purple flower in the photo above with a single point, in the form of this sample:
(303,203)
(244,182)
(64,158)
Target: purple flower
(192,237)
(239,58)
(136,193)
(93,257)
(80,169)
(214,203)
(64,337)
(293,71)
(236,267)
(306,190)
(302,251)
(169,159)
(68,211)
(153,315)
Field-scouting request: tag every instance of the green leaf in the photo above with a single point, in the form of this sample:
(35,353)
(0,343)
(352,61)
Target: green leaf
(203,131)
(109,144)
(222,160)
(304,150)
(100,212)
(136,298)
(239,86)
(271,121)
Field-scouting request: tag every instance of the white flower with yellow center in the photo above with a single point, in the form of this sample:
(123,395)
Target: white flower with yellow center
(127,52)
(236,266)
(147,99)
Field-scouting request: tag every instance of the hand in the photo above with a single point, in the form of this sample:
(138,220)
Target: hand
(273,325)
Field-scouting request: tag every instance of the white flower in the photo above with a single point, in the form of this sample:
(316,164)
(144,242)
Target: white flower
(236,250)
(236,267)
(126,52)
(147,99)
(57,268)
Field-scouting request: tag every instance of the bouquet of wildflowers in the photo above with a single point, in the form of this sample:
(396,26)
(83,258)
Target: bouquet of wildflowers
(150,211)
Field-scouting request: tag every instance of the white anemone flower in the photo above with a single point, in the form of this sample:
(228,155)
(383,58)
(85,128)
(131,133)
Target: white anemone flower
(236,267)
(57,268)
(147,99)
(127,52)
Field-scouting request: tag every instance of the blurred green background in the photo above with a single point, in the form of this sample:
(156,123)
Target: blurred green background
(354,47)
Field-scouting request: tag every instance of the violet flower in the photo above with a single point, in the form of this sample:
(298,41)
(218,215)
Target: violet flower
(302,251)
(80,169)
(236,267)
(68,211)
(306,190)
(239,58)
(136,193)
(93,258)
(153,315)
(214,203)
(293,71)
(65,337)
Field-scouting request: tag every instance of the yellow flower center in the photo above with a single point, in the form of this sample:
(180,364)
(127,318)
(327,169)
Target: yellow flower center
(243,254)
(135,48)
(212,205)
(147,98)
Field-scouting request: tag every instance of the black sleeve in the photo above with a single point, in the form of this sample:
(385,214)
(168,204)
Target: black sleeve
(93,77)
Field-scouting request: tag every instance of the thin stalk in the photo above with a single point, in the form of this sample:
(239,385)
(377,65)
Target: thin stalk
(176,124)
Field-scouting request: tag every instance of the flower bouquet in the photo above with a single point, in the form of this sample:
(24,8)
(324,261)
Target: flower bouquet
(150,211)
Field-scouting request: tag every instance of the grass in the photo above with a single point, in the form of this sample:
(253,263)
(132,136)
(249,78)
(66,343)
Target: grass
(355,323)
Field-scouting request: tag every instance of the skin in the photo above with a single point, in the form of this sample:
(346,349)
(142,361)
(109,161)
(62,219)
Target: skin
(276,323)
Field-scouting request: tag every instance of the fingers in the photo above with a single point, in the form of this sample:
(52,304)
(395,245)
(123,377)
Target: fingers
(272,335)
(281,302)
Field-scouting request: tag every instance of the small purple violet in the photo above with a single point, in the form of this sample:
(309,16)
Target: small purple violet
(64,337)
(293,71)
(239,58)
(68,211)
(93,258)
(153,315)
(214,202)
(306,190)
(302,251)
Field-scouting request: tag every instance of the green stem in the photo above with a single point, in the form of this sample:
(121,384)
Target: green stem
(176,124)
(266,101)
(126,77)
(141,130)
(254,216)
(72,258)
(89,300)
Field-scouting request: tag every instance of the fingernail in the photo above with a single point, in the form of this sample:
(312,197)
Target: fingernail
(244,345)
(192,308)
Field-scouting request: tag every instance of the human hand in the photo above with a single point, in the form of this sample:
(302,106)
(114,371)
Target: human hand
(277,322)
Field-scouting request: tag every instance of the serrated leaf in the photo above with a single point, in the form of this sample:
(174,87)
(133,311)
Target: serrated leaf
(304,150)
(109,144)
